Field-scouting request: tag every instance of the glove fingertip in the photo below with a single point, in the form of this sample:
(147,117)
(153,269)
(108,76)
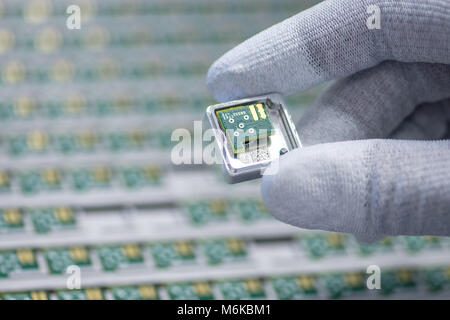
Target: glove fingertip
(273,191)
(267,193)
(221,82)
(212,83)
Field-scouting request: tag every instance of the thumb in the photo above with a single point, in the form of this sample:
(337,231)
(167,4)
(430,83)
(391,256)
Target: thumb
(367,187)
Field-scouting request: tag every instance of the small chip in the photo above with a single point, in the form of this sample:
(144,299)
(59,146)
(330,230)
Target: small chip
(245,123)
(49,219)
(220,251)
(28,295)
(11,219)
(58,259)
(123,256)
(17,261)
(242,289)
(190,291)
(141,292)
(166,254)
(81,294)
(215,210)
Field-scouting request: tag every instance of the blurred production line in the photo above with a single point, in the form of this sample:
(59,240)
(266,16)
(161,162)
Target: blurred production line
(86,179)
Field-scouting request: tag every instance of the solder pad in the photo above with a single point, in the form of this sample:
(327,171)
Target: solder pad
(242,124)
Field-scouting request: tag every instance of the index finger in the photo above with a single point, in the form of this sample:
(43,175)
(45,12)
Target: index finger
(331,40)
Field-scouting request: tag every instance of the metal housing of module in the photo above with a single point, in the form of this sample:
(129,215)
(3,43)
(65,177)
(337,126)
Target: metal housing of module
(261,151)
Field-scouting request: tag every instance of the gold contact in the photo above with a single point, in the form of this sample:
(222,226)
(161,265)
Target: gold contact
(253,112)
(261,111)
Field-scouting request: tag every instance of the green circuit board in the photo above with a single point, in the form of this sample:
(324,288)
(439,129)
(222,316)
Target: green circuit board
(242,124)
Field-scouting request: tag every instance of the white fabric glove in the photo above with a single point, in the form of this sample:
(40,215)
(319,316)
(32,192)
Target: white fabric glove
(392,83)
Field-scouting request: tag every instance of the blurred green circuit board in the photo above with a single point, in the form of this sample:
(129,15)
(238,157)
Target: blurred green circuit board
(300,286)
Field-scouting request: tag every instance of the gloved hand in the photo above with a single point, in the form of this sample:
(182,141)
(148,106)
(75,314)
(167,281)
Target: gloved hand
(392,83)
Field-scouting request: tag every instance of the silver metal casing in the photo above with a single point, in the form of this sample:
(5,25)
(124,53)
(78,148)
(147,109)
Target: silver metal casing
(242,168)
